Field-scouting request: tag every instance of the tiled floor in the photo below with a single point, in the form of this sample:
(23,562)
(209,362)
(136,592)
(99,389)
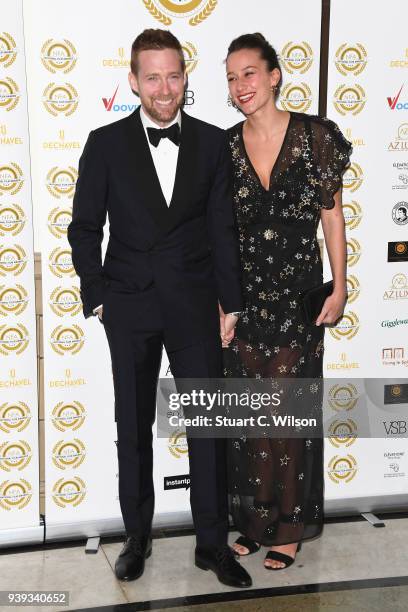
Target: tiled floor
(347,551)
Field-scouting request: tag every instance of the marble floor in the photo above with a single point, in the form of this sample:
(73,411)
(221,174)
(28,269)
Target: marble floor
(352,567)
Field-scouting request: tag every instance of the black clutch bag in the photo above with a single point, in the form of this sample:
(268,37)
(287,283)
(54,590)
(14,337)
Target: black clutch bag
(313,299)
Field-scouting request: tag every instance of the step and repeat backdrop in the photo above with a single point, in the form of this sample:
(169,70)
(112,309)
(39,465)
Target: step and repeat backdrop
(77,71)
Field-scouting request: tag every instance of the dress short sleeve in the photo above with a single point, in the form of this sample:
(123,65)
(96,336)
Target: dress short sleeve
(333,154)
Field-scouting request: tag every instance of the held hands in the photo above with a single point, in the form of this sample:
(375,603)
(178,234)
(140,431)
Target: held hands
(227,326)
(333,308)
(99,312)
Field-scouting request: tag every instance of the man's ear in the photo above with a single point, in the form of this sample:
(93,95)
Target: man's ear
(133,83)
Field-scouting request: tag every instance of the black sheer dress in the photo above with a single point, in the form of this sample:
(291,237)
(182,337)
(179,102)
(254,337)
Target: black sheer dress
(276,485)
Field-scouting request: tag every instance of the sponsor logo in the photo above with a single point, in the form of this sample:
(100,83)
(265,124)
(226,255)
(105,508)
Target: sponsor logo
(398,251)
(60,99)
(68,453)
(177,444)
(190,56)
(15,494)
(7,140)
(394,103)
(394,323)
(58,55)
(8,50)
(109,104)
(342,433)
(67,381)
(353,252)
(351,59)
(342,469)
(400,142)
(352,214)
(14,417)
(343,397)
(347,327)
(296,57)
(395,428)
(11,179)
(13,260)
(15,455)
(403,179)
(68,416)
(65,301)
(399,288)
(117,62)
(13,300)
(9,94)
(61,181)
(58,221)
(400,63)
(13,339)
(343,364)
(394,356)
(196,11)
(61,143)
(353,177)
(69,492)
(356,142)
(12,219)
(296,97)
(67,340)
(349,99)
(394,467)
(60,263)
(400,213)
(396,394)
(353,288)
(176,482)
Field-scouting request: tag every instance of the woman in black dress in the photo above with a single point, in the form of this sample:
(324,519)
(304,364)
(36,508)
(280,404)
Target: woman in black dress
(287,170)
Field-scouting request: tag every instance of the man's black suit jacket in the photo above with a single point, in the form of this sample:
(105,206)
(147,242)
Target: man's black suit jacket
(187,251)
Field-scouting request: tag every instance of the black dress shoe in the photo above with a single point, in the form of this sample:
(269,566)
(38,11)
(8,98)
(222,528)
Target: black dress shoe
(223,562)
(131,561)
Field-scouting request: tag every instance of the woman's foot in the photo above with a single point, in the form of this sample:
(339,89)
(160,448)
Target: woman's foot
(244,546)
(286,549)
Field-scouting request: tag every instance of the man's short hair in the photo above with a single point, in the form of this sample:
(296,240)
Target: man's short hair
(155,39)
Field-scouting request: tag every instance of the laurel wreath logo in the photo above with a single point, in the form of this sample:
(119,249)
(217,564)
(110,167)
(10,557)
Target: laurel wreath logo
(202,15)
(156,13)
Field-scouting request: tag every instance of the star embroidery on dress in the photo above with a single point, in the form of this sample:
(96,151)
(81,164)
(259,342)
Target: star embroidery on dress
(286,291)
(297,510)
(298,255)
(282,194)
(293,344)
(276,349)
(267,353)
(269,259)
(274,296)
(284,460)
(257,481)
(248,348)
(264,512)
(258,279)
(282,369)
(301,328)
(268,234)
(247,266)
(243,192)
(264,454)
(245,319)
(308,443)
(301,475)
(262,295)
(293,303)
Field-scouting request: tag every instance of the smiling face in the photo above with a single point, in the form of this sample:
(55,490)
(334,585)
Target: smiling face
(249,81)
(160,82)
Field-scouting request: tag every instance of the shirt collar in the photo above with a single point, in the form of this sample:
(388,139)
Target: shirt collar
(147,122)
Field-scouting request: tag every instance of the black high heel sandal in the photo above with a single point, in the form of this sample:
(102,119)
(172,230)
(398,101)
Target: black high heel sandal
(251,545)
(275,555)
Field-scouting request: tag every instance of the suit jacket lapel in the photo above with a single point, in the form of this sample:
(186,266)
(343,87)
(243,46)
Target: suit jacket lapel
(146,183)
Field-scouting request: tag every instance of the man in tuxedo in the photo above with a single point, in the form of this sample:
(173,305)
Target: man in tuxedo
(171,266)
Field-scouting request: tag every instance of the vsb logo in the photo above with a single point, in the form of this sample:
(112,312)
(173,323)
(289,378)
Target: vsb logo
(349,99)
(14,417)
(68,416)
(353,288)
(60,99)
(11,179)
(8,50)
(395,428)
(15,494)
(342,433)
(58,55)
(58,221)
(15,455)
(13,339)
(13,300)
(190,56)
(12,219)
(347,327)
(296,57)
(351,59)
(67,340)
(196,11)
(353,177)
(66,301)
(69,492)
(352,214)
(353,251)
(61,181)
(9,94)
(60,263)
(342,469)
(13,260)
(296,97)
(68,454)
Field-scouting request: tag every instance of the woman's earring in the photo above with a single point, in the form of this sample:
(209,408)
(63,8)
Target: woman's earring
(231,102)
(273,89)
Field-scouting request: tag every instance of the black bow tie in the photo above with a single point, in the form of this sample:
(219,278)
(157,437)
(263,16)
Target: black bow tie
(172,133)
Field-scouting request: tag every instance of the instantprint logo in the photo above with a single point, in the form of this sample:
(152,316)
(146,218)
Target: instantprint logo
(68,416)
(68,454)
(400,63)
(58,56)
(400,143)
(9,94)
(58,221)
(353,177)
(351,59)
(394,355)
(395,104)
(13,300)
(342,469)
(60,99)
(61,181)
(347,327)
(296,57)
(11,179)
(65,301)
(177,444)
(352,214)
(118,62)
(13,260)
(8,50)
(190,56)
(399,288)
(353,251)
(343,364)
(14,417)
(296,97)
(343,397)
(12,219)
(349,99)
(342,433)
(165,11)
(13,340)
(400,213)
(15,455)
(70,492)
(398,251)
(15,494)
(353,288)
(67,340)
(60,263)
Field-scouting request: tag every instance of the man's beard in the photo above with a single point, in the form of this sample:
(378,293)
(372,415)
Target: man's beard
(165,114)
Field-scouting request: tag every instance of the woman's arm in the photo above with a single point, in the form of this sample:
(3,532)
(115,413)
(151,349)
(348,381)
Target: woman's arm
(335,238)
